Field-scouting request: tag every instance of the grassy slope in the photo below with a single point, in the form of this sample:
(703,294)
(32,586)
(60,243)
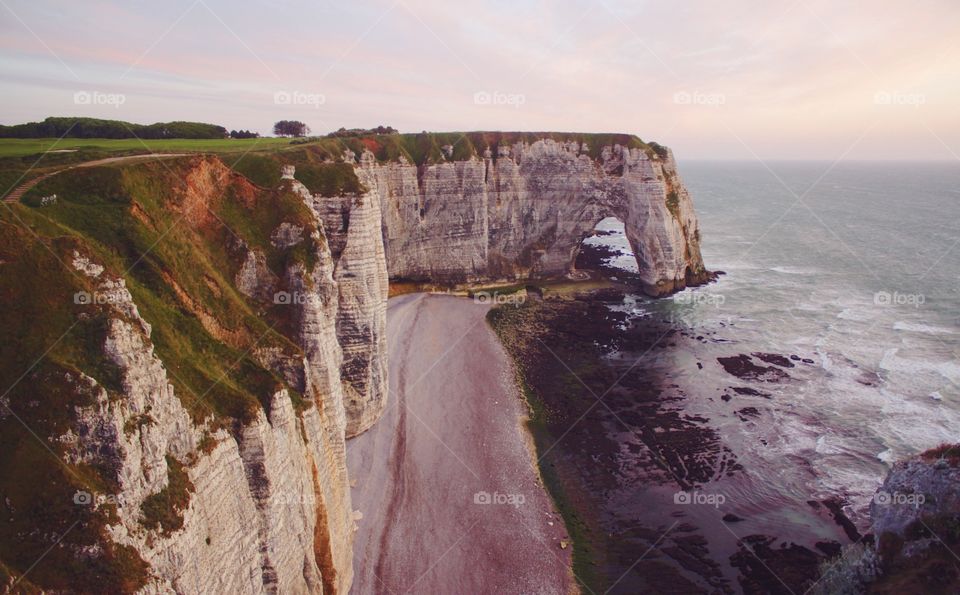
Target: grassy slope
(131,220)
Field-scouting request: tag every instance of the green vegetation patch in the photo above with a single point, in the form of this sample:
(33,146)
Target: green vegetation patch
(163,511)
(329,179)
(516,329)
(129,218)
(673,204)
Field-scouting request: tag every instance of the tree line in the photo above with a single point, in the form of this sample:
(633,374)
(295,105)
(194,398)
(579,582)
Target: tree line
(55,127)
(69,127)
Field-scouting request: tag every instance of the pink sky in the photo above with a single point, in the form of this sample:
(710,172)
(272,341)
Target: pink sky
(803,79)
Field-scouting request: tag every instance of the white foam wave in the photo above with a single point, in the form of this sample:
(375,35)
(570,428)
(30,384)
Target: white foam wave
(916,327)
(794,270)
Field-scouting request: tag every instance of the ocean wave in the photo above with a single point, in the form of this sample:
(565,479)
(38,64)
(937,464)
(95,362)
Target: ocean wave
(857,314)
(917,327)
(891,362)
(794,271)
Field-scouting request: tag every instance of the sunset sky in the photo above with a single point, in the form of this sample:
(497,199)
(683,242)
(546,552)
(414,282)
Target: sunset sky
(783,79)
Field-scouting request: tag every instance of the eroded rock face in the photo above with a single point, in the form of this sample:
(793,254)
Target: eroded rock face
(524,214)
(353,231)
(269,509)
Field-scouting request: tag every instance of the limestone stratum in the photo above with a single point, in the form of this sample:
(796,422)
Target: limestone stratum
(195,337)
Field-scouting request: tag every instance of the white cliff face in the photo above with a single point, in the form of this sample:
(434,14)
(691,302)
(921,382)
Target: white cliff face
(269,510)
(352,226)
(524,214)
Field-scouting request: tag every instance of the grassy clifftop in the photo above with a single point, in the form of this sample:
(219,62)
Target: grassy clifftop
(259,158)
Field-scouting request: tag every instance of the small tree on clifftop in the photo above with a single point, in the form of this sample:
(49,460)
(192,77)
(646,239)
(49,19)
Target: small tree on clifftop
(290,128)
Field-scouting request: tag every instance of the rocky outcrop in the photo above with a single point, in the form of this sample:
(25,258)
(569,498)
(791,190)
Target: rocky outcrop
(352,224)
(523,213)
(915,532)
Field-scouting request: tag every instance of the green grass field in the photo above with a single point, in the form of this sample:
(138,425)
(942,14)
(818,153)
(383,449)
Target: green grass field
(21,147)
(259,159)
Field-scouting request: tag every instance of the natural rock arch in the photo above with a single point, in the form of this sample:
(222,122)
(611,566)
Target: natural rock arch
(523,214)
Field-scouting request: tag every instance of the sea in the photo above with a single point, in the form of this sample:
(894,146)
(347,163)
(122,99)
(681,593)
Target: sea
(853,269)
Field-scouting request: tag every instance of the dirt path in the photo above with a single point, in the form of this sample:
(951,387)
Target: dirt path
(17,193)
(449,441)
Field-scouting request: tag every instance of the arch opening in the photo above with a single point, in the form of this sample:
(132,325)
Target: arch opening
(605,250)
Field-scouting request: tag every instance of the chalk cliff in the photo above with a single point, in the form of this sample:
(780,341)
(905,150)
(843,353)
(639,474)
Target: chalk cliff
(522,213)
(196,348)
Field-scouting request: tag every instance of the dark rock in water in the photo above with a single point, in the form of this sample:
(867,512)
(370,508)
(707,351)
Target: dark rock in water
(869,378)
(769,568)
(743,367)
(699,366)
(807,360)
(619,476)
(795,357)
(746,390)
(835,506)
(830,548)
(732,518)
(773,358)
(726,397)
(747,412)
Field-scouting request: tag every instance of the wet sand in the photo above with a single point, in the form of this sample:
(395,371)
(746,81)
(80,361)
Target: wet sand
(445,481)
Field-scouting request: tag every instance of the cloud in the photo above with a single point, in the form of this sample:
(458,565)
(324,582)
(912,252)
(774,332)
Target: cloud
(797,79)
